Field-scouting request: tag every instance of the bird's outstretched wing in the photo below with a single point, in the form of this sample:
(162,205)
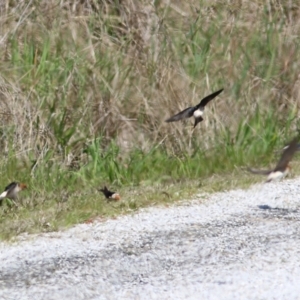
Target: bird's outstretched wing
(187,113)
(287,155)
(262,172)
(208,98)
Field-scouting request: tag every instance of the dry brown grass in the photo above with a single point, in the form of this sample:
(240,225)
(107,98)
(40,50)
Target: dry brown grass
(131,66)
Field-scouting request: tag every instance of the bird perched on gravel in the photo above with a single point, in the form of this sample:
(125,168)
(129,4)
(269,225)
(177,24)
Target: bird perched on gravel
(109,194)
(196,111)
(283,167)
(12,190)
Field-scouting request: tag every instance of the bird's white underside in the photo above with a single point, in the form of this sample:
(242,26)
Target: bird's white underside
(198,113)
(277,175)
(11,193)
(3,195)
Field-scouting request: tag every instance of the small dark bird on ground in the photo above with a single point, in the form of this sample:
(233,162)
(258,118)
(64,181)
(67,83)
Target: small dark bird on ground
(11,191)
(109,194)
(283,167)
(196,111)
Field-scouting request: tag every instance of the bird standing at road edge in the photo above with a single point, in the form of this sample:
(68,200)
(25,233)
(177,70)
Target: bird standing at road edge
(109,194)
(11,191)
(283,167)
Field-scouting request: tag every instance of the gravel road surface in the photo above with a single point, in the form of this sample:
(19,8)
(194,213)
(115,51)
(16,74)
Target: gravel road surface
(240,244)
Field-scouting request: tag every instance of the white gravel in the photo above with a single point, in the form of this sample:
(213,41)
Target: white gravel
(241,244)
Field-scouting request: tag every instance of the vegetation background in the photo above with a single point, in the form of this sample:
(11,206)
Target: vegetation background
(85,87)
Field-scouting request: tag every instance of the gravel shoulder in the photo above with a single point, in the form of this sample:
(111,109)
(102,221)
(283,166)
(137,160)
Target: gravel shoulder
(240,244)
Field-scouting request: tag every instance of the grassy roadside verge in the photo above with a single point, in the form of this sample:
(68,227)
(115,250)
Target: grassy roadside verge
(85,88)
(73,199)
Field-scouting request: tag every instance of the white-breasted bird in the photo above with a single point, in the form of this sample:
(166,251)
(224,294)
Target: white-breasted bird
(11,191)
(283,167)
(196,111)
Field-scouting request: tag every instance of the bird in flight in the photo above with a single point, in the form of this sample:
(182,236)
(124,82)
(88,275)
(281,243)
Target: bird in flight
(196,111)
(283,167)
(11,191)
(110,195)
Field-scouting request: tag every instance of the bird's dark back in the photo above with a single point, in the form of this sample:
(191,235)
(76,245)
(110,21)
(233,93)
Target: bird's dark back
(208,98)
(10,185)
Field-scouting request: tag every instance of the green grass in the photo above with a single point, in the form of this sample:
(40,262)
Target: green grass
(85,90)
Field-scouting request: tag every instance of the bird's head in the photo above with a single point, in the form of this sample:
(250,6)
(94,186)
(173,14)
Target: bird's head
(116,197)
(23,186)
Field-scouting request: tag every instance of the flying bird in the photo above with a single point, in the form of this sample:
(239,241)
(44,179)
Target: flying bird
(11,191)
(283,167)
(196,111)
(109,194)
